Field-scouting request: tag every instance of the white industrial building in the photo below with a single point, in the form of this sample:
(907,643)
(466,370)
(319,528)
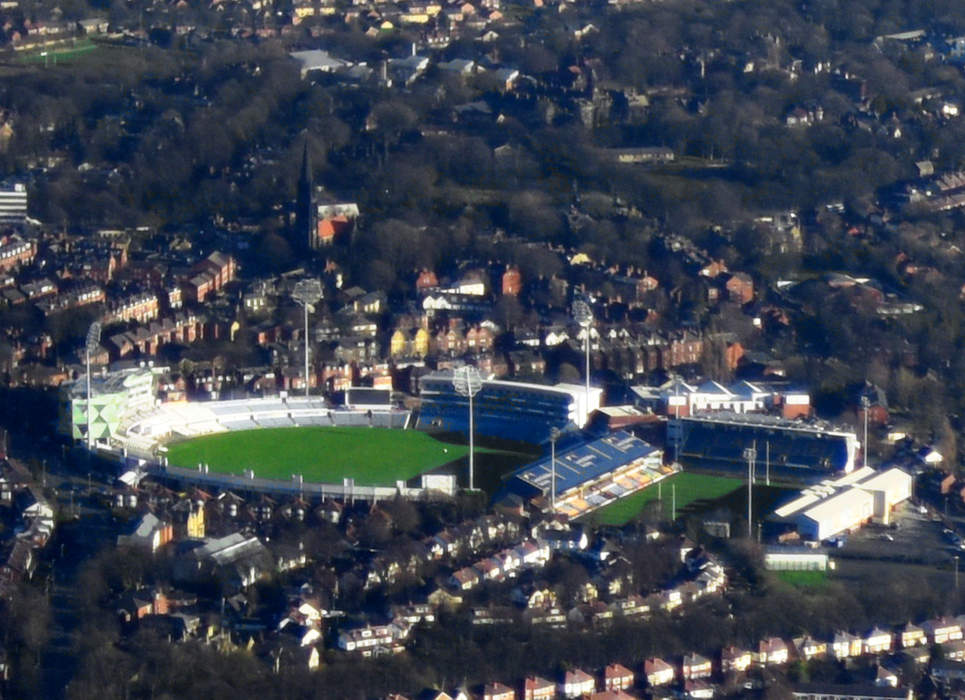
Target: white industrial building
(832,507)
(785,558)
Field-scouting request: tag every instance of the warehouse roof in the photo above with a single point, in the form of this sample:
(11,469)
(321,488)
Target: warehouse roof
(841,502)
(893,478)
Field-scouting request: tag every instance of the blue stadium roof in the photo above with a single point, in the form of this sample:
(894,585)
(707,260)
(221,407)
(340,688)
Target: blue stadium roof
(584,462)
(503,409)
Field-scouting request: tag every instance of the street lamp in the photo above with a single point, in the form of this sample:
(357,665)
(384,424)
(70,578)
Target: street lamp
(583,315)
(750,454)
(307,293)
(865,405)
(554,436)
(90,346)
(467,382)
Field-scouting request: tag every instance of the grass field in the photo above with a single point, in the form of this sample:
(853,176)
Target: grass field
(372,456)
(59,54)
(804,579)
(689,487)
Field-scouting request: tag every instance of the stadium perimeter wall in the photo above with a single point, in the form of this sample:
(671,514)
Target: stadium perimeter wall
(295,487)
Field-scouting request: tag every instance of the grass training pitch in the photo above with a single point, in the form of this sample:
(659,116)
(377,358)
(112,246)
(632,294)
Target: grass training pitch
(59,54)
(689,487)
(372,456)
(804,579)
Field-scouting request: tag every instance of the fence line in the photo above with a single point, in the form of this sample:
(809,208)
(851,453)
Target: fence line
(297,486)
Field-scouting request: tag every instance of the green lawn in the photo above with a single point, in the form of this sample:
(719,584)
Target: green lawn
(689,487)
(804,579)
(372,456)
(60,53)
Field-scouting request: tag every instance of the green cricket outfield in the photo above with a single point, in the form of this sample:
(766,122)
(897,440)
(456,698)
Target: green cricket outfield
(371,456)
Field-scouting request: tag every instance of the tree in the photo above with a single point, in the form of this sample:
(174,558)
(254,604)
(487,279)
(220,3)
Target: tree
(405,516)
(390,120)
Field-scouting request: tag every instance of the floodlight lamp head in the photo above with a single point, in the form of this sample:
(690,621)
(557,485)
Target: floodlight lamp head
(307,291)
(93,336)
(466,380)
(582,313)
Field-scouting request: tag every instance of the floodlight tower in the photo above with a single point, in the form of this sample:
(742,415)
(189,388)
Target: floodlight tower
(90,347)
(307,292)
(750,454)
(467,382)
(865,405)
(554,436)
(675,378)
(583,315)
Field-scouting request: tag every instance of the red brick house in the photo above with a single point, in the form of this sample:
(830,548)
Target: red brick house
(695,666)
(713,269)
(426,280)
(512,281)
(658,672)
(683,349)
(576,683)
(740,288)
(479,339)
(15,251)
(617,677)
(498,691)
(536,688)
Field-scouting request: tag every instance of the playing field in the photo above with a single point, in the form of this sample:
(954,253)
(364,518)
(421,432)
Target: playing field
(372,456)
(804,579)
(59,54)
(689,487)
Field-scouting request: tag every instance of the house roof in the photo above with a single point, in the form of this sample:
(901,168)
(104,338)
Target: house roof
(656,665)
(616,670)
(146,525)
(537,683)
(577,675)
(695,660)
(318,59)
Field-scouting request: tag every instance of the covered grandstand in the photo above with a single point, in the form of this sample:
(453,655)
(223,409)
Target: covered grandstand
(503,409)
(146,430)
(790,447)
(590,475)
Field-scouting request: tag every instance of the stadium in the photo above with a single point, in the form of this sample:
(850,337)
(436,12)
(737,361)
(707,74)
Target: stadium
(367,448)
(281,444)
